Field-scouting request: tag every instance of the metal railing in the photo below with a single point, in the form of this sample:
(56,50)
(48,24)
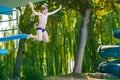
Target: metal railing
(10,29)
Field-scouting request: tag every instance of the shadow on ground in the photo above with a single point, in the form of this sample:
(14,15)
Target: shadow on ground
(87,76)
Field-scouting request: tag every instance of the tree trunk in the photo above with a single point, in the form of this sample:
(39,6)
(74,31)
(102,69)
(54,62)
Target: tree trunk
(17,67)
(79,60)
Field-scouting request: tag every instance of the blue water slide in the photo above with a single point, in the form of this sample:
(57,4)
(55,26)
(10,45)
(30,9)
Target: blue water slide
(111,67)
(108,51)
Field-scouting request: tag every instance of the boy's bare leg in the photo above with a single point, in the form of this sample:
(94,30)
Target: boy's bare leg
(45,36)
(36,37)
(39,35)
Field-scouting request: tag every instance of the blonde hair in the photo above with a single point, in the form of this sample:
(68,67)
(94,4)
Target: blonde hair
(43,7)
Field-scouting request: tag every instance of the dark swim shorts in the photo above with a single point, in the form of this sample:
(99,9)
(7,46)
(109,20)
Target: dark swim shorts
(43,30)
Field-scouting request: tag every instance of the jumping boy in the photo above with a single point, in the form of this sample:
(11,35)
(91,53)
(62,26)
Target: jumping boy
(42,34)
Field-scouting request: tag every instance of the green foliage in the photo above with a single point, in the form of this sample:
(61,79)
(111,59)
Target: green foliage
(64,29)
(101,8)
(3,72)
(32,74)
(0,17)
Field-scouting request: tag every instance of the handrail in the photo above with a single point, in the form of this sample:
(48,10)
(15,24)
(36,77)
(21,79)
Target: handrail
(9,29)
(8,20)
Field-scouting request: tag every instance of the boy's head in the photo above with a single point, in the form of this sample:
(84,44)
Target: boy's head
(44,9)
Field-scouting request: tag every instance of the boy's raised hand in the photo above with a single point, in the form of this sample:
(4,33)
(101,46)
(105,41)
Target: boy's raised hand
(31,4)
(60,7)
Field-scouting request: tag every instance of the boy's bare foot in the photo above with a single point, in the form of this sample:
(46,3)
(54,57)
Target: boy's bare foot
(29,36)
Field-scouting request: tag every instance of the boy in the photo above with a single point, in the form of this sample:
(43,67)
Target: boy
(42,34)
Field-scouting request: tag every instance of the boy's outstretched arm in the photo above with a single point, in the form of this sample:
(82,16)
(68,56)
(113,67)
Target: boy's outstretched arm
(55,11)
(36,13)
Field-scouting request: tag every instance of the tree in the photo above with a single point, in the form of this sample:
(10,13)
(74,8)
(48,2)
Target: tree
(23,25)
(85,21)
(84,8)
